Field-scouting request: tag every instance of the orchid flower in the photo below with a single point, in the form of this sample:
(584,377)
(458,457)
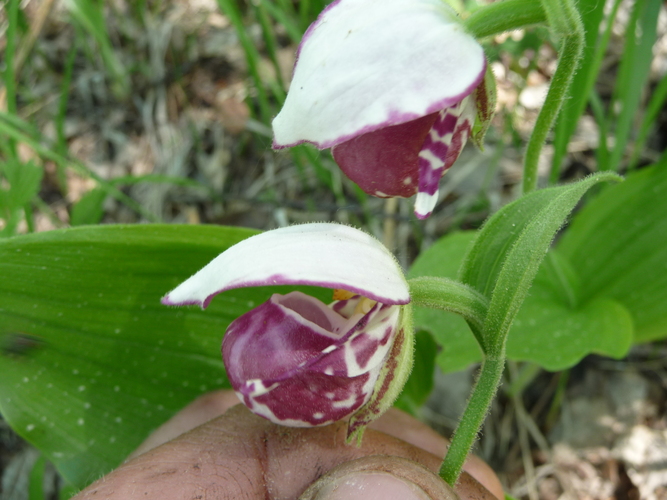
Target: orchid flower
(395,88)
(295,360)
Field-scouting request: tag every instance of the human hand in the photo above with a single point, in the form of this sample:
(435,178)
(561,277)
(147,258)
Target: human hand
(211,451)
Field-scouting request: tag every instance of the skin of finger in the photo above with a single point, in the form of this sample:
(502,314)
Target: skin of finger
(403,426)
(394,422)
(200,411)
(242,456)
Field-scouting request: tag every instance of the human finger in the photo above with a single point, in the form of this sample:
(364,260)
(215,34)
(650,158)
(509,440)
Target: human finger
(394,422)
(240,455)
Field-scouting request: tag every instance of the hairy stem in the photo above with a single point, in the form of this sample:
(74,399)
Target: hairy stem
(567,23)
(490,375)
(452,296)
(500,17)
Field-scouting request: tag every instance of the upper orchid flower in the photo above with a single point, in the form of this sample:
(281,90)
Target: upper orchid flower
(295,360)
(395,87)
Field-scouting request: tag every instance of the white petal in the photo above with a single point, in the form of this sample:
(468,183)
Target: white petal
(323,254)
(367,64)
(425,203)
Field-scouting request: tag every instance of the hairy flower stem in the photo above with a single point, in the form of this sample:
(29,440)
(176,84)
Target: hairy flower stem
(452,296)
(565,21)
(499,17)
(490,375)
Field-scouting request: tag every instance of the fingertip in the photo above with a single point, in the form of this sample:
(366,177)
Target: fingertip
(379,477)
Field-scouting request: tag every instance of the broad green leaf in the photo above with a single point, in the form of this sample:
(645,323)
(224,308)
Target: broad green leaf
(444,257)
(515,241)
(618,246)
(556,334)
(484,261)
(506,227)
(91,362)
(418,387)
(551,315)
(549,330)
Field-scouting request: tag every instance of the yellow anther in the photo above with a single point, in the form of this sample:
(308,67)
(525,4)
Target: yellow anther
(340,294)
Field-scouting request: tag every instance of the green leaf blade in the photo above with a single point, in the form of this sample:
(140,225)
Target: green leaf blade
(618,247)
(91,362)
(522,261)
(508,251)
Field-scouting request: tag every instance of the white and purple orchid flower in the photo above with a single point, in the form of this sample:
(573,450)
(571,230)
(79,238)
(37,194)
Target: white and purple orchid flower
(293,359)
(395,87)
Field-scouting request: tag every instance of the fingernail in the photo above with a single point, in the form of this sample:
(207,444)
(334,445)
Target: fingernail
(379,477)
(371,486)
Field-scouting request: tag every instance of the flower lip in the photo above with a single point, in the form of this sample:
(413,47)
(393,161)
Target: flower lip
(321,254)
(337,344)
(368,64)
(311,374)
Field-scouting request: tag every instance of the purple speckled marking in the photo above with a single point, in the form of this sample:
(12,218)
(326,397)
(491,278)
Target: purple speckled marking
(301,398)
(295,371)
(442,147)
(365,346)
(446,122)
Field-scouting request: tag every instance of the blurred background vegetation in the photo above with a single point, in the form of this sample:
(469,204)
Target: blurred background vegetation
(160,111)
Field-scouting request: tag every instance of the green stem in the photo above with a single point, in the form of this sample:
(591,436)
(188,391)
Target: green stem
(452,296)
(569,25)
(500,17)
(490,375)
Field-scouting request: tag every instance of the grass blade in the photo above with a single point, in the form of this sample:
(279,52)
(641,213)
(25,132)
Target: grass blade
(602,152)
(89,14)
(591,15)
(653,109)
(633,74)
(231,10)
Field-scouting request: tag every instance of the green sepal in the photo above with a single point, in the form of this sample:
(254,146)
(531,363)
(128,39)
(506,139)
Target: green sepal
(485,96)
(420,383)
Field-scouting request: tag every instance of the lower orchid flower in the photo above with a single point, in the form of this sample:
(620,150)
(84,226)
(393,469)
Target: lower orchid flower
(295,360)
(395,88)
